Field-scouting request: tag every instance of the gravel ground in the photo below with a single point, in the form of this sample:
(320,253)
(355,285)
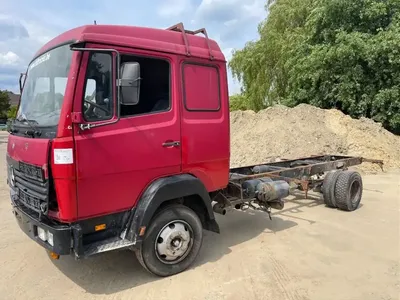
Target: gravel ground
(306,252)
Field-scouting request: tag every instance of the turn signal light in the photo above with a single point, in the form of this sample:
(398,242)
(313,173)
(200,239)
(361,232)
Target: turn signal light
(99,227)
(54,255)
(142,231)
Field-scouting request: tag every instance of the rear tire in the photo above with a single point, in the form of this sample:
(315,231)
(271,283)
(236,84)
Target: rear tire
(348,190)
(328,188)
(172,241)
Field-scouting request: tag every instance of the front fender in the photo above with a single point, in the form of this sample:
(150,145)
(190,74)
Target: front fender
(165,189)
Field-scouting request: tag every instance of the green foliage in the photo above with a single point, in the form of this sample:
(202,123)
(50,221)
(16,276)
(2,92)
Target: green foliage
(328,53)
(12,112)
(4,104)
(238,102)
(261,65)
(351,60)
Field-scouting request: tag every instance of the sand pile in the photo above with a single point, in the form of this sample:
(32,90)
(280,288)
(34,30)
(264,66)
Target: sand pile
(281,132)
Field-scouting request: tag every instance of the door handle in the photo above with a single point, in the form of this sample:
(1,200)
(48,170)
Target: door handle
(171,144)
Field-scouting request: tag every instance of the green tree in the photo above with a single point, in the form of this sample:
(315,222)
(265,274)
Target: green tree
(351,60)
(4,104)
(328,53)
(238,102)
(261,65)
(12,112)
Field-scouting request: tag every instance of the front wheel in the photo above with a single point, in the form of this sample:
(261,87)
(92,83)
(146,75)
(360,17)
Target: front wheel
(172,241)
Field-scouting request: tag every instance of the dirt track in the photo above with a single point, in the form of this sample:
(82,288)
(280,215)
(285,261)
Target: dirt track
(306,252)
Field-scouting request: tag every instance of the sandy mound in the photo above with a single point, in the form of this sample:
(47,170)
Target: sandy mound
(281,132)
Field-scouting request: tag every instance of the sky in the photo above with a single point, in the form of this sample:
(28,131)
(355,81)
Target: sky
(26,25)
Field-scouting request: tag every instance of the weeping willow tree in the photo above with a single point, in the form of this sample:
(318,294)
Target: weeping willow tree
(328,53)
(261,65)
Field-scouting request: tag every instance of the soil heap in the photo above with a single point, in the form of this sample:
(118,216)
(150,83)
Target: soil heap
(282,132)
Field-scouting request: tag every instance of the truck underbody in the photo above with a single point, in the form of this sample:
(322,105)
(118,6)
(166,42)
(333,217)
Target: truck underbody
(263,187)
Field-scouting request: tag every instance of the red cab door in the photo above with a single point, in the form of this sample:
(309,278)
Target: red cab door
(115,163)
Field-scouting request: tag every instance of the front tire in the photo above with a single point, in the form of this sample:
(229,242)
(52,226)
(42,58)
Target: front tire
(172,241)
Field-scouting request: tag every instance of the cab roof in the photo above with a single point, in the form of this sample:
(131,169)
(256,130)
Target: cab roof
(161,40)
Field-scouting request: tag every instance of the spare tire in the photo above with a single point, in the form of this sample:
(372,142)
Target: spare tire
(348,190)
(328,188)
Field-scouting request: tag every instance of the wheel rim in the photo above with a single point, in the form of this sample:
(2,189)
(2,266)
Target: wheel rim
(354,191)
(174,242)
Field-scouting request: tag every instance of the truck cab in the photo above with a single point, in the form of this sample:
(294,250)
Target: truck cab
(120,140)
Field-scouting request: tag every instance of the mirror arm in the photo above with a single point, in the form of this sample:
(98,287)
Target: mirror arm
(21,84)
(89,126)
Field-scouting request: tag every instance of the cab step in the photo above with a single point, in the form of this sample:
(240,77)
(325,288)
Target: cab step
(106,245)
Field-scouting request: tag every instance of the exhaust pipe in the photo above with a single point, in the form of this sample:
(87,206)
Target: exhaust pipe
(218,208)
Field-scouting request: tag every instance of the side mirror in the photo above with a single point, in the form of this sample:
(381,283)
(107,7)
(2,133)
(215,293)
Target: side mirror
(130,83)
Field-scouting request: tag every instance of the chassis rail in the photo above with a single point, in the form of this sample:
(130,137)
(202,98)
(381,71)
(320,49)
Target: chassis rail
(302,174)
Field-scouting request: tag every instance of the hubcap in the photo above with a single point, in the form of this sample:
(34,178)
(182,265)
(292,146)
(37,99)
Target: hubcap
(174,242)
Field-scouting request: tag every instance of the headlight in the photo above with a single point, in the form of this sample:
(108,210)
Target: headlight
(50,238)
(45,236)
(42,234)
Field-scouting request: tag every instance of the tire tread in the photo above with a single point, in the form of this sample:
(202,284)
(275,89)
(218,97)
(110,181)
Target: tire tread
(328,189)
(342,186)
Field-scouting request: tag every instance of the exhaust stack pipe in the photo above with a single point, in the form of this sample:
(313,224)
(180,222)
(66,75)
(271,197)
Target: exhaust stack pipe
(218,208)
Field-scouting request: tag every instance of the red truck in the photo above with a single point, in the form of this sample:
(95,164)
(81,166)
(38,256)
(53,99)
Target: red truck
(122,141)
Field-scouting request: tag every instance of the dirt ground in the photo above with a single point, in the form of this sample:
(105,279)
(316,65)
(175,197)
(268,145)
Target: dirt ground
(304,130)
(307,251)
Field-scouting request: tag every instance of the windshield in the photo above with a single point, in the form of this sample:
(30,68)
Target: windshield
(44,88)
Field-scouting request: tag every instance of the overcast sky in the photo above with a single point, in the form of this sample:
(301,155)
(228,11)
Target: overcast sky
(25,25)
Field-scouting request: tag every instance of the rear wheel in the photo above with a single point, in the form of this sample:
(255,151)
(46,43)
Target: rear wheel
(172,241)
(328,188)
(348,190)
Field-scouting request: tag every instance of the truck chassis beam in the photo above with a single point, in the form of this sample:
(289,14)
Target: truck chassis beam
(268,181)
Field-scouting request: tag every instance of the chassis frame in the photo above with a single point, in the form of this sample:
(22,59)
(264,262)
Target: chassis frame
(302,174)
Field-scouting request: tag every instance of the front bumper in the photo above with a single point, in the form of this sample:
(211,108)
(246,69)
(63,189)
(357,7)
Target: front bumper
(68,239)
(62,234)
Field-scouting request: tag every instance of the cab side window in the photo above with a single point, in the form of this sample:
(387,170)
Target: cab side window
(154,94)
(98,98)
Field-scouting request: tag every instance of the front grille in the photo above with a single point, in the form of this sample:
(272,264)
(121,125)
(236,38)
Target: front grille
(31,171)
(28,200)
(32,187)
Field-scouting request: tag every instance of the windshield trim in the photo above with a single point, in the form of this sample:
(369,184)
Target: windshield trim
(43,51)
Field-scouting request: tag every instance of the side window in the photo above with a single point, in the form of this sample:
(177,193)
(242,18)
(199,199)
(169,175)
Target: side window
(98,98)
(201,87)
(154,86)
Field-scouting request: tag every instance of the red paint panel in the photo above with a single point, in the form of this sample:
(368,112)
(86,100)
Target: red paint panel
(201,90)
(154,39)
(205,134)
(64,182)
(31,151)
(115,163)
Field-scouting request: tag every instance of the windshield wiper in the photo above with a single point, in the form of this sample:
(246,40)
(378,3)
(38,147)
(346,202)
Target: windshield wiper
(34,131)
(12,130)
